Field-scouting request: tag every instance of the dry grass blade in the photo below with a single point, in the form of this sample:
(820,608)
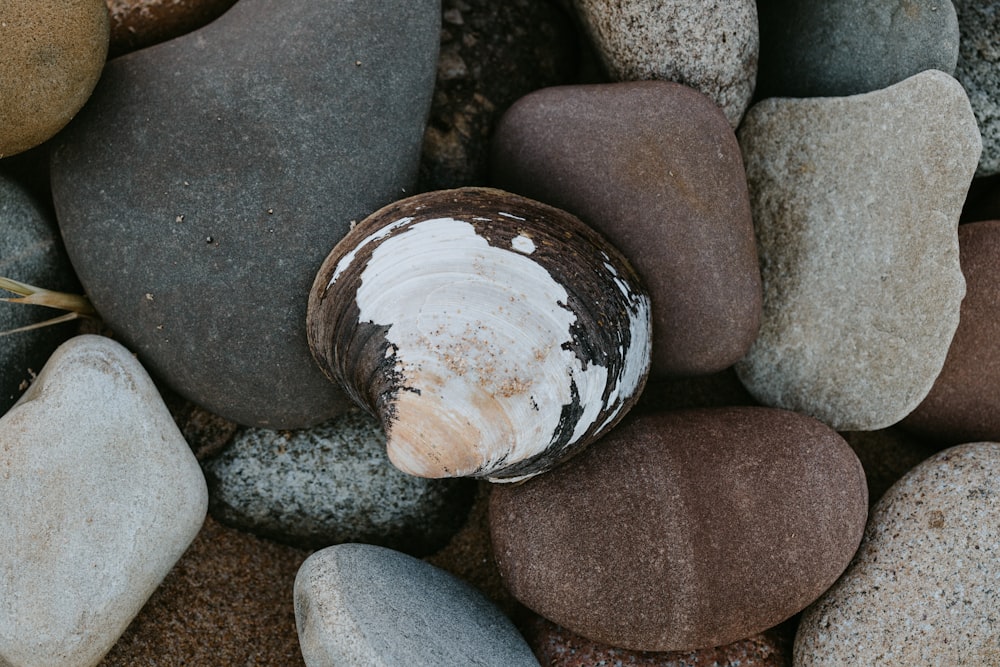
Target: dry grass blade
(77,305)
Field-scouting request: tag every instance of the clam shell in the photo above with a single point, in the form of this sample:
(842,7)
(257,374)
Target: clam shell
(493,335)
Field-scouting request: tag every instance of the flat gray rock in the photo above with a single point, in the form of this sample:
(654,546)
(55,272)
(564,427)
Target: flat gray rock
(922,588)
(332,483)
(846,47)
(708,45)
(856,203)
(208,176)
(358,604)
(30,252)
(978,70)
(100,497)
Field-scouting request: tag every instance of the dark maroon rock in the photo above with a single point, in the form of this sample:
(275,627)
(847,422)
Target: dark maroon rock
(685,529)
(202,185)
(136,24)
(656,168)
(492,53)
(964,402)
(555,646)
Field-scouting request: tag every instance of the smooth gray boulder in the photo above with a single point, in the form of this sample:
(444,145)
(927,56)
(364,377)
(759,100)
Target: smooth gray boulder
(100,496)
(855,204)
(208,176)
(358,604)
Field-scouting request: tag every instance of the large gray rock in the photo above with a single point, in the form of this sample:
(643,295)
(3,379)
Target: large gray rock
(358,604)
(203,184)
(978,70)
(332,483)
(30,252)
(708,45)
(846,47)
(856,203)
(99,498)
(922,589)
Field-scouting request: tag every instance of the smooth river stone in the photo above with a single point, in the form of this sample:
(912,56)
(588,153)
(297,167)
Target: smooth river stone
(203,184)
(359,604)
(684,530)
(922,589)
(964,403)
(655,167)
(53,52)
(100,497)
(978,70)
(136,24)
(856,203)
(846,47)
(708,45)
(329,484)
(30,252)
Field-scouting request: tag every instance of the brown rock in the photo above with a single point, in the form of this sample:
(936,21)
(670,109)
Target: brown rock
(655,167)
(558,647)
(685,529)
(964,402)
(136,24)
(51,56)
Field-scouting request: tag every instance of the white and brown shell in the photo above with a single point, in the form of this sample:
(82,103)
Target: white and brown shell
(493,335)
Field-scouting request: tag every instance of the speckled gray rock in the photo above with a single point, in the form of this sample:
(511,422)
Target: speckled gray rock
(209,175)
(100,497)
(978,70)
(358,604)
(922,589)
(30,252)
(856,203)
(708,45)
(846,47)
(329,484)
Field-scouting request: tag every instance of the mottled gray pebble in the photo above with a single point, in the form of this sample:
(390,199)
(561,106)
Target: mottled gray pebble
(978,70)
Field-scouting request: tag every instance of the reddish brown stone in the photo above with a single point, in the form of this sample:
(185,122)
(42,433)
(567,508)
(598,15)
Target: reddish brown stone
(136,24)
(558,647)
(656,168)
(684,529)
(964,403)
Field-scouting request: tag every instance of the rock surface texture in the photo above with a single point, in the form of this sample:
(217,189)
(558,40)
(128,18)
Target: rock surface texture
(357,604)
(708,45)
(136,24)
(856,203)
(50,60)
(691,528)
(330,484)
(222,176)
(978,70)
(964,403)
(655,167)
(101,495)
(922,589)
(847,47)
(30,252)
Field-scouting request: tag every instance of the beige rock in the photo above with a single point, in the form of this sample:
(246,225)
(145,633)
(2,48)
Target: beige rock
(922,589)
(51,56)
(856,203)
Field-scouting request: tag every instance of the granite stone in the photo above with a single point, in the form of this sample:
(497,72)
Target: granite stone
(922,589)
(846,47)
(978,70)
(684,530)
(708,45)
(30,252)
(856,202)
(492,53)
(136,24)
(964,403)
(654,167)
(52,55)
(100,497)
(330,484)
(202,186)
(359,604)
